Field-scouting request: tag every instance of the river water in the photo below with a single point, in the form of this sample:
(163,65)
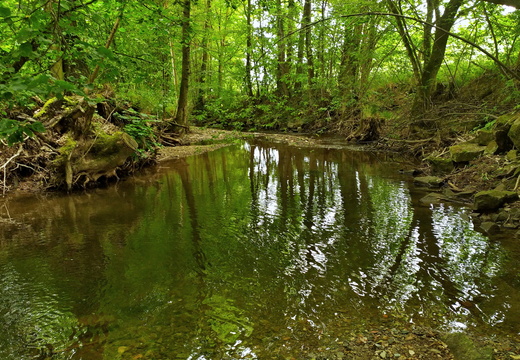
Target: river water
(256,250)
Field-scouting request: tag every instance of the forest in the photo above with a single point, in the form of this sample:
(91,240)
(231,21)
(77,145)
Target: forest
(369,70)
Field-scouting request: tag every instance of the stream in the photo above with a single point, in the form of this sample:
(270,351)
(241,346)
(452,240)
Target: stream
(254,251)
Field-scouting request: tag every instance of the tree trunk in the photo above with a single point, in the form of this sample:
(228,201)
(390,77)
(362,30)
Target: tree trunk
(307,16)
(201,97)
(407,40)
(249,82)
(422,101)
(181,117)
(281,73)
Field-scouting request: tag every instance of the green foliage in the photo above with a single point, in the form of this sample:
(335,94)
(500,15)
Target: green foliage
(14,131)
(138,126)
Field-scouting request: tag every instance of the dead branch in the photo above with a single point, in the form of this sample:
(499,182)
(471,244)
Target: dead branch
(4,166)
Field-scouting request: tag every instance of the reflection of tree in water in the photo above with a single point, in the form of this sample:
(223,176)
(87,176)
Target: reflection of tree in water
(246,246)
(327,203)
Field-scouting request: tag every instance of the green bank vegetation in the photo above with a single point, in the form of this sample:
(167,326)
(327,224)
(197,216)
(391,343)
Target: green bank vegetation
(366,69)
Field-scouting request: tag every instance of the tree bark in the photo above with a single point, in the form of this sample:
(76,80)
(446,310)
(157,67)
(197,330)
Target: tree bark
(307,16)
(422,101)
(201,96)
(281,73)
(249,82)
(181,117)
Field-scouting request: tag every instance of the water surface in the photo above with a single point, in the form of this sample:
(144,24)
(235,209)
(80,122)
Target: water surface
(253,251)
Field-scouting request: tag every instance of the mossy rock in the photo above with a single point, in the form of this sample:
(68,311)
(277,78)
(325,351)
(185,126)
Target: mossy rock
(512,155)
(514,133)
(428,181)
(466,152)
(440,165)
(491,148)
(433,198)
(493,199)
(484,137)
(504,122)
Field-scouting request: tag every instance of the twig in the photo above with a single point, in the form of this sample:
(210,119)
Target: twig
(5,167)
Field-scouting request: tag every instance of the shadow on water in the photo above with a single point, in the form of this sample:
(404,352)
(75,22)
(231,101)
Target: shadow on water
(254,251)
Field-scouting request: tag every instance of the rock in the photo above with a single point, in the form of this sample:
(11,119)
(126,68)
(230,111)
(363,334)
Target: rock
(433,198)
(504,122)
(463,348)
(503,141)
(512,155)
(493,199)
(466,152)
(465,195)
(428,181)
(500,217)
(484,137)
(490,227)
(514,133)
(440,165)
(491,148)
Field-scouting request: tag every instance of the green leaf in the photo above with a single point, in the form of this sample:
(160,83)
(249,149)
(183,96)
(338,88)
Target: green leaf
(105,52)
(37,127)
(5,12)
(26,49)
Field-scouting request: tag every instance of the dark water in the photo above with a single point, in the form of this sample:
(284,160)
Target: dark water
(252,251)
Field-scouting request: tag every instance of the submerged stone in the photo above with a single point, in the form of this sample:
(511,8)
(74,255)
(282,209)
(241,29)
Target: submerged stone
(493,199)
(466,152)
(463,348)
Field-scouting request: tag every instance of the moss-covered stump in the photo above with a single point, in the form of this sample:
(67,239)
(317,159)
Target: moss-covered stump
(88,160)
(69,114)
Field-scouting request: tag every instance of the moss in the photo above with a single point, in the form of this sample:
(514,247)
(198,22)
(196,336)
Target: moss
(45,108)
(65,152)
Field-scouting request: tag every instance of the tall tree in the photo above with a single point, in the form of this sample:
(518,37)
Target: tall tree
(181,117)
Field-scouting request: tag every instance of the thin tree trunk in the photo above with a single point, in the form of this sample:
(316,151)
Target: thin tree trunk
(181,117)
(249,82)
(281,72)
(307,11)
(407,40)
(426,87)
(110,39)
(174,67)
(201,97)
(301,51)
